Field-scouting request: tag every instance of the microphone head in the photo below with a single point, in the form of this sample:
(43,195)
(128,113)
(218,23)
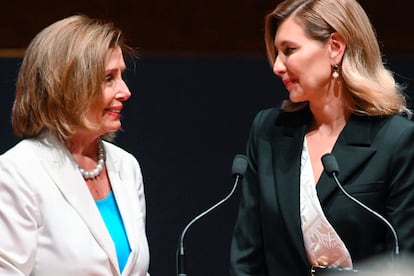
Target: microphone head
(239,165)
(329,164)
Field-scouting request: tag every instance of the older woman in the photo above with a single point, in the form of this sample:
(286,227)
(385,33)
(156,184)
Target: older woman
(71,202)
(293,220)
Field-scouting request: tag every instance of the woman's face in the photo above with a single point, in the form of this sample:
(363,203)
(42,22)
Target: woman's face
(303,63)
(115,93)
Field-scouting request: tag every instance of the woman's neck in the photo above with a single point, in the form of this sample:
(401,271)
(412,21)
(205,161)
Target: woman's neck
(329,117)
(83,145)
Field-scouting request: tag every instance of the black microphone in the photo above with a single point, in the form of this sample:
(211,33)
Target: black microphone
(331,168)
(238,170)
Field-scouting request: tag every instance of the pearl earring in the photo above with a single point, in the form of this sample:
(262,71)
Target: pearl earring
(335,71)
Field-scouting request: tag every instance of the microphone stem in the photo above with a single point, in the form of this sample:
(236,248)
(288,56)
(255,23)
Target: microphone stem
(396,246)
(205,212)
(180,254)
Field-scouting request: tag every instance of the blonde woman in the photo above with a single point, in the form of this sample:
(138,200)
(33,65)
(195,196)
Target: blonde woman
(293,219)
(71,202)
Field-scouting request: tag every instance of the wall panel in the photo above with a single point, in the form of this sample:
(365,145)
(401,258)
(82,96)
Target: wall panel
(188,26)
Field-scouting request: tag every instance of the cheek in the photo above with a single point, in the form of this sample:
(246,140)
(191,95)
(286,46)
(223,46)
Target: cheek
(300,66)
(107,97)
(95,115)
(313,72)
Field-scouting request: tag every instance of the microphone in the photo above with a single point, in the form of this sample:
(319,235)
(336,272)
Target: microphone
(331,168)
(238,170)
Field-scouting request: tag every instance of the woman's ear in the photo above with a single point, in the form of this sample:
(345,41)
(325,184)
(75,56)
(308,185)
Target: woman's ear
(337,46)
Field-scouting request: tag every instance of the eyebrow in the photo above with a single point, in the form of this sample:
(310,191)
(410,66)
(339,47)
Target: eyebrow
(283,42)
(108,70)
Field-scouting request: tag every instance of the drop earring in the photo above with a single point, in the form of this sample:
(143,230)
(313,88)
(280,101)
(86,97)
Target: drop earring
(335,71)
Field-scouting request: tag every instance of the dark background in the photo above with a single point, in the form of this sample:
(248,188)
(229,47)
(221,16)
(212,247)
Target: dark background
(201,77)
(192,27)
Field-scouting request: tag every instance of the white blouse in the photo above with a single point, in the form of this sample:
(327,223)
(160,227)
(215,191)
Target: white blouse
(323,245)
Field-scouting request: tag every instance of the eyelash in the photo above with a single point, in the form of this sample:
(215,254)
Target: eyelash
(288,51)
(109,78)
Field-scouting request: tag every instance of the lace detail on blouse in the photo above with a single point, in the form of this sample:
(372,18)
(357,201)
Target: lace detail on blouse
(322,243)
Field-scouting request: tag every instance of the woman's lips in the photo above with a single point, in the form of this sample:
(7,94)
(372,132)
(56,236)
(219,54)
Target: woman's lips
(287,83)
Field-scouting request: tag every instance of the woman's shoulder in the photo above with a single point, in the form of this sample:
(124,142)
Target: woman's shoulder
(388,130)
(400,125)
(115,150)
(401,120)
(277,116)
(23,156)
(23,147)
(394,133)
(395,122)
(268,114)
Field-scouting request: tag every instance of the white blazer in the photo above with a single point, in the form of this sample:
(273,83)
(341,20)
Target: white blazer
(49,222)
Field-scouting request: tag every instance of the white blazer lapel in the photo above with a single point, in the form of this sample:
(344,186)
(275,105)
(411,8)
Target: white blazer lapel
(63,171)
(122,195)
(125,192)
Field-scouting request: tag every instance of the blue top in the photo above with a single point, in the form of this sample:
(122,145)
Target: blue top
(110,214)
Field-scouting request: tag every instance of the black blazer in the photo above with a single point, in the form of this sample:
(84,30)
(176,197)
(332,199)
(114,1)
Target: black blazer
(376,160)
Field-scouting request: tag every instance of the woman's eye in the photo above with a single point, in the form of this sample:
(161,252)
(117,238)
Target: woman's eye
(288,50)
(109,78)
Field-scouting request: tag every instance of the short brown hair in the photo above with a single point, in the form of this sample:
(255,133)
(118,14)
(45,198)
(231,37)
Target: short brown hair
(61,76)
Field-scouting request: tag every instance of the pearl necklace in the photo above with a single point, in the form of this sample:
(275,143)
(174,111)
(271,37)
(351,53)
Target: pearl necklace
(101,161)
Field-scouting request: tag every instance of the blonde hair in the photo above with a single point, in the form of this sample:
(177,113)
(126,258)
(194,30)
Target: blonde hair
(61,77)
(371,87)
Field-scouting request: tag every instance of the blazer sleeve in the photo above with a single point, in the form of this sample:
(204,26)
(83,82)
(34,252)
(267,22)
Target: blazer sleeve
(18,221)
(400,201)
(247,255)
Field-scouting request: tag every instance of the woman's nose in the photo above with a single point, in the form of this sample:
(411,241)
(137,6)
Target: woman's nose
(123,92)
(278,66)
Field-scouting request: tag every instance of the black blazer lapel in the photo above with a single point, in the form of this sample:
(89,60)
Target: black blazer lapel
(352,149)
(286,151)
